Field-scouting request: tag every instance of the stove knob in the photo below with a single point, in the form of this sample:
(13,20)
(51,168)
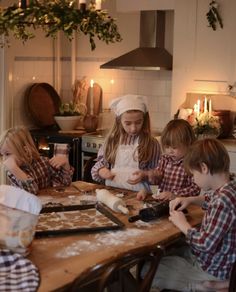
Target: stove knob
(88,144)
(94,145)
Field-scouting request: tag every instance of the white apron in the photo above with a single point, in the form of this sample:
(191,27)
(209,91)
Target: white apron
(124,167)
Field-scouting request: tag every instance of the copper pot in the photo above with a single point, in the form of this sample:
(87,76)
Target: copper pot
(226,122)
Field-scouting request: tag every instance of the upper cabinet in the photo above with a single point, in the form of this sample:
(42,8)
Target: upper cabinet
(214,55)
(137,5)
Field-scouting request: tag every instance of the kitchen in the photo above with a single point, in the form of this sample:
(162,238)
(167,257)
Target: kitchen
(203,63)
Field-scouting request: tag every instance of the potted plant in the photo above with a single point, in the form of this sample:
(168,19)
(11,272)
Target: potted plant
(68,116)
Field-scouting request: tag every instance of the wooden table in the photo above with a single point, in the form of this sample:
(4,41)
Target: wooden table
(61,259)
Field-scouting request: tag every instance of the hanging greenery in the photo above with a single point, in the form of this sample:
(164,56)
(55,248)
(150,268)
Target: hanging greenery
(53,16)
(213,16)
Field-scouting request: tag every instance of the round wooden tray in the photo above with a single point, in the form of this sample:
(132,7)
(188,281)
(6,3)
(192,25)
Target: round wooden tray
(42,103)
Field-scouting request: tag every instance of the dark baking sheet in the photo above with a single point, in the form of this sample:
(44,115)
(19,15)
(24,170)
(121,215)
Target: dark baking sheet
(97,212)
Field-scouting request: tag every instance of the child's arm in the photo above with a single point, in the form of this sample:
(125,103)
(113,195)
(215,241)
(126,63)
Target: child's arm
(183,202)
(101,163)
(178,218)
(152,175)
(141,195)
(12,166)
(105,173)
(59,161)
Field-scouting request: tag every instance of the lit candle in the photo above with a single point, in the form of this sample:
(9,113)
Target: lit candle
(91,96)
(210,108)
(205,105)
(198,107)
(195,108)
(98,4)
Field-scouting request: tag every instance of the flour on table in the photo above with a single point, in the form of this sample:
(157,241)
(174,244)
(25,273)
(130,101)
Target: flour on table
(109,238)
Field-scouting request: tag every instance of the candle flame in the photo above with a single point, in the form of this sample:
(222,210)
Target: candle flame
(91,83)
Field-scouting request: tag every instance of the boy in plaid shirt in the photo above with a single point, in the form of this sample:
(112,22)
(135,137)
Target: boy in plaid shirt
(211,250)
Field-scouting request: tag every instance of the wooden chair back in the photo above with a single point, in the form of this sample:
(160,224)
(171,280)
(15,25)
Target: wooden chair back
(116,276)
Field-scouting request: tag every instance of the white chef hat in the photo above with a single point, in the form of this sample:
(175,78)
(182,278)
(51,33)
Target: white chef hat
(129,102)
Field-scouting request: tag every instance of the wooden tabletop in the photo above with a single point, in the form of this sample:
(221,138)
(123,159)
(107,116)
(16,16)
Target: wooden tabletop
(62,258)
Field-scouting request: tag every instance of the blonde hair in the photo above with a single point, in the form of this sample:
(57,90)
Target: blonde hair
(118,135)
(21,143)
(177,133)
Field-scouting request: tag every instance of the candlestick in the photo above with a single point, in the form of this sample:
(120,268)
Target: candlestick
(98,4)
(91,96)
(210,108)
(205,105)
(198,107)
(82,5)
(23,4)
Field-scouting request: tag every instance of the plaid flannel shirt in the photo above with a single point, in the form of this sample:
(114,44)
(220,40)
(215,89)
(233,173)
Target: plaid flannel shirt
(41,175)
(175,179)
(214,243)
(17,273)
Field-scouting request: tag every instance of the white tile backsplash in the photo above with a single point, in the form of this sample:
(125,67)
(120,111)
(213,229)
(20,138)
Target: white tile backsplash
(156,85)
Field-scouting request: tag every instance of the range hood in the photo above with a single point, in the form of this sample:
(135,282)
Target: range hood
(151,54)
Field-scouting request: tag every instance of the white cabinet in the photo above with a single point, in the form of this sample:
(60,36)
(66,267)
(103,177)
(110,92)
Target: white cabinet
(230,145)
(214,58)
(232,156)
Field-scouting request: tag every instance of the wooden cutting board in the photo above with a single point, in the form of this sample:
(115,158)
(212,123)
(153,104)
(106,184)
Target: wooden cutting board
(42,103)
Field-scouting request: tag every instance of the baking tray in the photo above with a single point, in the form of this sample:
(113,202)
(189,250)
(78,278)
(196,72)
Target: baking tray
(75,219)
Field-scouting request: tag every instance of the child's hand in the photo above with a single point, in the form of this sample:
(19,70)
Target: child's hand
(141,195)
(136,177)
(105,173)
(153,176)
(59,161)
(179,204)
(10,163)
(165,196)
(179,220)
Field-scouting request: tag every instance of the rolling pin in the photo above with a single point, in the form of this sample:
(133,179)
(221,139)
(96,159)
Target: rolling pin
(107,198)
(159,210)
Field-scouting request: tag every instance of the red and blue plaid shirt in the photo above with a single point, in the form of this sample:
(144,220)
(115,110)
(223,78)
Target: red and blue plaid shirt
(41,175)
(214,243)
(175,179)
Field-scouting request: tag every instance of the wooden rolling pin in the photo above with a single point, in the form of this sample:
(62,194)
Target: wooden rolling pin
(107,198)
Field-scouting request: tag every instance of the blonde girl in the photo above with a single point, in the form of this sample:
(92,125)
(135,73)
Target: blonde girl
(128,147)
(26,168)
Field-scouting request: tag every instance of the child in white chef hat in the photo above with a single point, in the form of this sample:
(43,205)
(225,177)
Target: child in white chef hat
(128,147)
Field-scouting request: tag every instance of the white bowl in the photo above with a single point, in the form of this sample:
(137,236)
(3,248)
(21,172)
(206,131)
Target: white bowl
(67,123)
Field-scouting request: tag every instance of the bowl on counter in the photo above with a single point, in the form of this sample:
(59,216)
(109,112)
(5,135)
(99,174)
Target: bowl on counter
(67,123)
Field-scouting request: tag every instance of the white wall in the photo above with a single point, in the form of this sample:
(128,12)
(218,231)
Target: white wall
(166,91)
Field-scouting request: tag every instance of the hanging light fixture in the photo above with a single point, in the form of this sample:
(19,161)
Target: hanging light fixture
(59,15)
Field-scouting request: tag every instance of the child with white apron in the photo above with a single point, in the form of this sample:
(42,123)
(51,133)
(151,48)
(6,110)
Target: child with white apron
(128,147)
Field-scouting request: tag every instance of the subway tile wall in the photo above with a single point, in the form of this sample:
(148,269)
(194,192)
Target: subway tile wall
(156,85)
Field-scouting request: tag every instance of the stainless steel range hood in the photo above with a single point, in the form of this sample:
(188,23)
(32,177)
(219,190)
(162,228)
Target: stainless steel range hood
(151,54)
